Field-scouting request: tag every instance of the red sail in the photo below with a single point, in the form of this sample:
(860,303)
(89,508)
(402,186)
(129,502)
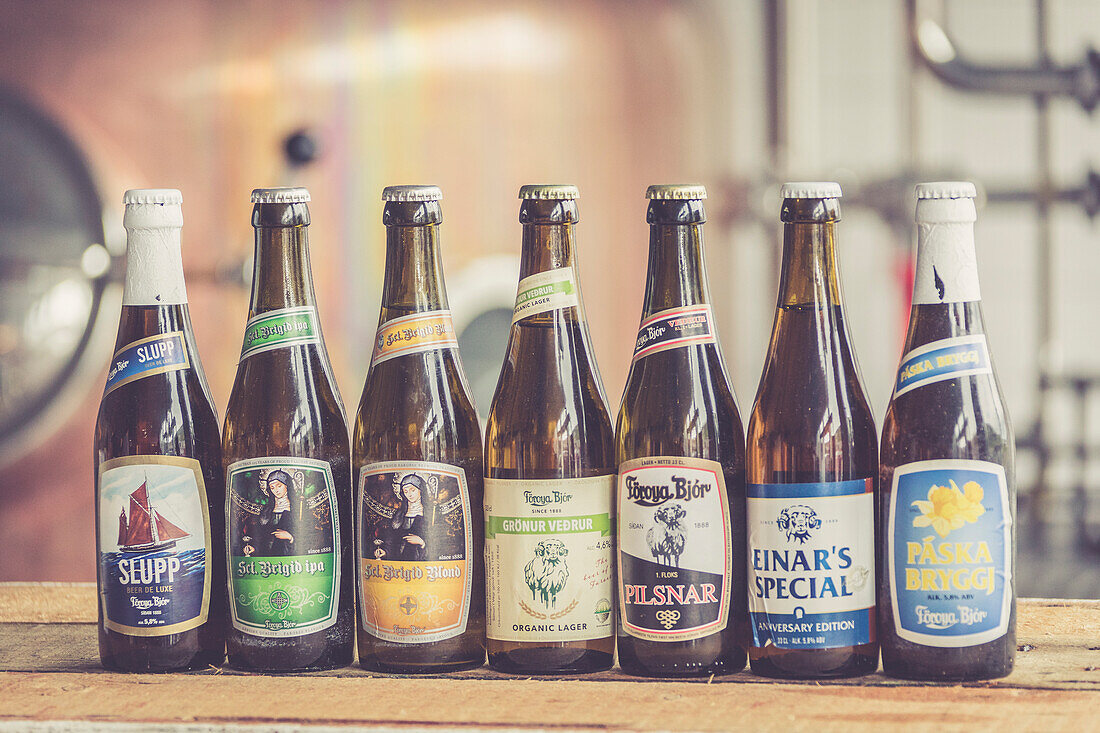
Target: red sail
(166,530)
(140,531)
(122,528)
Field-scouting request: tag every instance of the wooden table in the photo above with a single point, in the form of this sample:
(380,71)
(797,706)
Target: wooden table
(50,679)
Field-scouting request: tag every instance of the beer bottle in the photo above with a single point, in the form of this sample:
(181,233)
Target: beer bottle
(417,447)
(158,458)
(287,456)
(947,606)
(812,467)
(549,466)
(680,446)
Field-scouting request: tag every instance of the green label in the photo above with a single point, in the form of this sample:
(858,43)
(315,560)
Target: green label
(548,525)
(281,328)
(545,291)
(284,539)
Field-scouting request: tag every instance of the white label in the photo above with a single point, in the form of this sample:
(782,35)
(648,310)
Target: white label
(154,268)
(548,559)
(812,564)
(947,269)
(545,291)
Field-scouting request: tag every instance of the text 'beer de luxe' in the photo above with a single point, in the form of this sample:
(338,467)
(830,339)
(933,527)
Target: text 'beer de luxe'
(810,492)
(947,604)
(287,456)
(681,456)
(417,449)
(549,467)
(158,479)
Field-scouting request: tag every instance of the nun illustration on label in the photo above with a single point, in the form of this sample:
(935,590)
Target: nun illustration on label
(281,516)
(414,516)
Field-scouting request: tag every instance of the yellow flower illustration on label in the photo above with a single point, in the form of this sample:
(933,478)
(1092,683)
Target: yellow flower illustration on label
(949,508)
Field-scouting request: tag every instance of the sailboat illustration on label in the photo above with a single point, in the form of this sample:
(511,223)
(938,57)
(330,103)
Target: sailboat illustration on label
(146,529)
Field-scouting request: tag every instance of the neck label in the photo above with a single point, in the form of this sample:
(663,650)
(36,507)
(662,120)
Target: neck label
(812,564)
(947,269)
(942,360)
(675,328)
(279,329)
(415,551)
(950,552)
(546,291)
(145,357)
(414,334)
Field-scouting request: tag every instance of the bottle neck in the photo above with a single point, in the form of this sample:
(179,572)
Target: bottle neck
(281,276)
(545,247)
(947,268)
(414,272)
(677,272)
(809,274)
(154,267)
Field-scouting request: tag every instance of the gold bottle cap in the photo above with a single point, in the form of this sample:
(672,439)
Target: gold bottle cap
(549,192)
(296,195)
(810,190)
(412,193)
(676,192)
(946,190)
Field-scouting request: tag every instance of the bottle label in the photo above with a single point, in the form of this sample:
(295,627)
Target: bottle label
(944,359)
(950,552)
(154,545)
(674,328)
(548,559)
(414,334)
(675,548)
(546,291)
(812,564)
(279,329)
(284,544)
(145,357)
(415,548)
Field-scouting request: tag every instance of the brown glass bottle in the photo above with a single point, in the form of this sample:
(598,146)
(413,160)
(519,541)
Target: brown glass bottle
(158,477)
(287,458)
(680,445)
(417,447)
(549,466)
(812,468)
(947,471)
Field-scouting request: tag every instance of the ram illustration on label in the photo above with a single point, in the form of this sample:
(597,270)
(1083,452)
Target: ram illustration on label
(414,548)
(674,328)
(283,537)
(941,360)
(414,334)
(154,545)
(547,572)
(280,329)
(675,554)
(950,552)
(811,564)
(148,356)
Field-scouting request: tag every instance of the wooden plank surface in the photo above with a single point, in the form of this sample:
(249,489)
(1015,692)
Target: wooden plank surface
(50,679)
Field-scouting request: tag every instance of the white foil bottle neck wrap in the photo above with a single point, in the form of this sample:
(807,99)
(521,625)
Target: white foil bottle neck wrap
(154,267)
(947,269)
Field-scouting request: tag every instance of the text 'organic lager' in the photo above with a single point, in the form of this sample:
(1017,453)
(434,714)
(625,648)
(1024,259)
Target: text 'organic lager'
(158,458)
(549,467)
(680,446)
(417,448)
(947,604)
(812,467)
(287,456)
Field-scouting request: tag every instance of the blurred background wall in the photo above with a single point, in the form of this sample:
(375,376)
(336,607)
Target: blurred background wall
(480,97)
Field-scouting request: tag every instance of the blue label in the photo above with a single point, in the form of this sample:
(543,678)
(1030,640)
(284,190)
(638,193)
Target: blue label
(940,360)
(148,356)
(950,552)
(812,564)
(154,545)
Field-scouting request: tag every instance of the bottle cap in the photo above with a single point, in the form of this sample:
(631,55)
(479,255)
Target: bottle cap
(810,190)
(152,208)
(549,192)
(676,192)
(945,202)
(946,190)
(411,193)
(296,195)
